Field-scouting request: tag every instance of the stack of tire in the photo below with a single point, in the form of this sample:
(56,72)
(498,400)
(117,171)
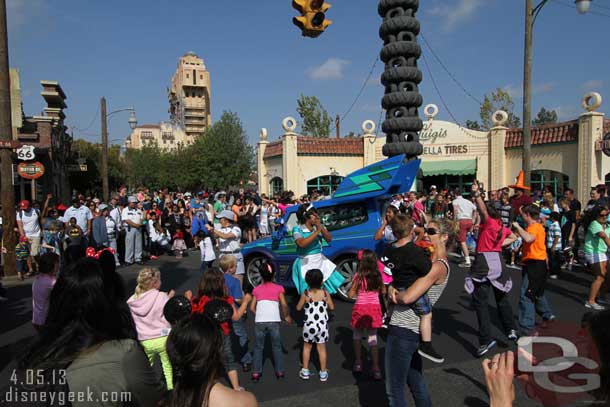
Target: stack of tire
(401,77)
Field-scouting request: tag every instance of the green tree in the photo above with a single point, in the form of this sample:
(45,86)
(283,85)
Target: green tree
(145,167)
(545,117)
(500,99)
(473,125)
(221,158)
(316,121)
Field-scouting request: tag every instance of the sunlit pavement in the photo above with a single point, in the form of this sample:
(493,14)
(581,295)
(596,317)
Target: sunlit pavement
(459,381)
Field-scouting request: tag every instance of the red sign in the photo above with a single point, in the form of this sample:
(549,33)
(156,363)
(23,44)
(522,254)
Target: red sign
(9,144)
(30,170)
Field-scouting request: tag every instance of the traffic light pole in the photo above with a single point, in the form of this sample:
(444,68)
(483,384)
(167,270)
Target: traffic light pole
(7,192)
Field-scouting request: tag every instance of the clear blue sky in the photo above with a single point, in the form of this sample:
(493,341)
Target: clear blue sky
(259,63)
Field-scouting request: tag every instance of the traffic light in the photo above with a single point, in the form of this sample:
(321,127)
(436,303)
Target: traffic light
(312,20)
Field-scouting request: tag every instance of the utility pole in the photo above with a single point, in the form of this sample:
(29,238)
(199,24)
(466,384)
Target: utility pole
(527,91)
(105,189)
(7,193)
(338,126)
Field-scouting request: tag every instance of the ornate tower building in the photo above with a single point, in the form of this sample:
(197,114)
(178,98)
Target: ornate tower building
(189,96)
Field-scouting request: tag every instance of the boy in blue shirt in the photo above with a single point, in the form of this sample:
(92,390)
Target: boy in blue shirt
(228,265)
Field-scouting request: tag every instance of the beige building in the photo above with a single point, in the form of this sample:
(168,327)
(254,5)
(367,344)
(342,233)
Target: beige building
(166,136)
(574,154)
(189,96)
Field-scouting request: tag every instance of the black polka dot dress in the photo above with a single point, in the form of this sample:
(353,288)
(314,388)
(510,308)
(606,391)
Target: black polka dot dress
(315,328)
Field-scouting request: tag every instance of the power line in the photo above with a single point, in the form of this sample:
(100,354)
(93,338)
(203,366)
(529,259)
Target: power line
(89,125)
(443,100)
(448,72)
(361,90)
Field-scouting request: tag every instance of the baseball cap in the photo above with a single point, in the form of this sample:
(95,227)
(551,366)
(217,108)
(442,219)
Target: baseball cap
(101,207)
(433,187)
(132,199)
(226,214)
(24,204)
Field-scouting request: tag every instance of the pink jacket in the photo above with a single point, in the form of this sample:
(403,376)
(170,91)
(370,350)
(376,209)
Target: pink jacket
(147,312)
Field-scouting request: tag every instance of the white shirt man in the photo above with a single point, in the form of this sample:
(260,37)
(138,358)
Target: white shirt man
(464,211)
(229,236)
(28,222)
(132,222)
(82,215)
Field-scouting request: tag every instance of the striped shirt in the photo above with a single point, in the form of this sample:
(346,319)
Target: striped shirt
(553,231)
(402,316)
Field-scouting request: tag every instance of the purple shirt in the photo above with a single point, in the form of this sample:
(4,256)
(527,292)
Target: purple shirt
(41,290)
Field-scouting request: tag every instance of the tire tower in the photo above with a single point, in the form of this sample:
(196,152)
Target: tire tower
(401,77)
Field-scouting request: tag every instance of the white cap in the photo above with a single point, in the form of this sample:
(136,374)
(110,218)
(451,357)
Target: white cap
(433,187)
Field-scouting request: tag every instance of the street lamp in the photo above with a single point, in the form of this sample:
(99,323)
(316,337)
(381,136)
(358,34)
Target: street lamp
(583,6)
(531,13)
(133,122)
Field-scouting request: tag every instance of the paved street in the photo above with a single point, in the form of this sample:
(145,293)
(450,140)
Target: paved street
(459,381)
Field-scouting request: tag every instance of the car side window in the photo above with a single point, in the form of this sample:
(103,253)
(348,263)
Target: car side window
(291,223)
(343,216)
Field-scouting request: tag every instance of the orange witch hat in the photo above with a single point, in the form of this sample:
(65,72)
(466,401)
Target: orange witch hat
(520,182)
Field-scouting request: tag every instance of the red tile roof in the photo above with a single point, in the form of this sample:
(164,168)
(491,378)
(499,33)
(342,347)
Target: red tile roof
(273,149)
(319,146)
(564,132)
(330,146)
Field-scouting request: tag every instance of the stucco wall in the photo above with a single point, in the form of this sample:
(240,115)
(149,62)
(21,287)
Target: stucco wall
(312,167)
(554,157)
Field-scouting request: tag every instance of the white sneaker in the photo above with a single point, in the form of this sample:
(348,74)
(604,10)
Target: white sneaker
(304,374)
(595,306)
(323,375)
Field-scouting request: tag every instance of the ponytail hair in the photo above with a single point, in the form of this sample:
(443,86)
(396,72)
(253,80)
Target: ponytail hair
(146,280)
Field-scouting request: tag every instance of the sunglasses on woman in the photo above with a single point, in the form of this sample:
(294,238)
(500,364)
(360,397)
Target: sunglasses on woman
(431,231)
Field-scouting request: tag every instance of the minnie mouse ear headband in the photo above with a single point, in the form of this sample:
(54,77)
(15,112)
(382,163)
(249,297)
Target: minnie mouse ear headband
(90,252)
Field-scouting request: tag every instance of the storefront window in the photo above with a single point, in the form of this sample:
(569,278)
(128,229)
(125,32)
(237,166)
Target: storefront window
(327,184)
(277,185)
(556,181)
(451,182)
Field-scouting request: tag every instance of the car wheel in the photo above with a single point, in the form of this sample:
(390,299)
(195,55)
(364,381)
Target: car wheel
(347,267)
(253,272)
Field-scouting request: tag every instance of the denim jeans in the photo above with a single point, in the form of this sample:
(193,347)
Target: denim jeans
(528,310)
(239,328)
(403,365)
(261,329)
(480,302)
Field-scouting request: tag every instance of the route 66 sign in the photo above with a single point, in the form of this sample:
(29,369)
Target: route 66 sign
(26,153)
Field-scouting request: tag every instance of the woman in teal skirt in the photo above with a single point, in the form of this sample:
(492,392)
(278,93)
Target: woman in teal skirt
(308,237)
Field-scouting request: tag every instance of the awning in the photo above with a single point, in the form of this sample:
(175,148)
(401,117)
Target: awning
(453,167)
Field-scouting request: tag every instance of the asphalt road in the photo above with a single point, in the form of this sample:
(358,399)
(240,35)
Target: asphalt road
(458,381)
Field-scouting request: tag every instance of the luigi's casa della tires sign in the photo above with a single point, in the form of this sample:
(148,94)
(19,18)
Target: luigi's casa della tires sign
(30,170)
(445,139)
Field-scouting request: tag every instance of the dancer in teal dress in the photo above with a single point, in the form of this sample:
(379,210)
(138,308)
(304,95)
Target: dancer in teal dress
(309,248)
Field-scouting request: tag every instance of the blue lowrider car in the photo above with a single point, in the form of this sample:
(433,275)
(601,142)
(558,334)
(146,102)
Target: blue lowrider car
(352,216)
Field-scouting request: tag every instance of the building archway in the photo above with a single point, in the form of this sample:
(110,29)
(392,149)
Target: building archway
(326,184)
(276,185)
(556,181)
